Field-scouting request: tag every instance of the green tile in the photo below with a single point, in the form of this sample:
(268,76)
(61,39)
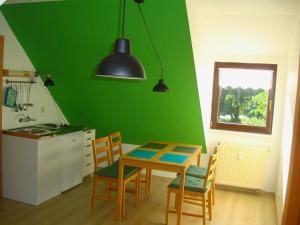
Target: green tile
(154,145)
(184,149)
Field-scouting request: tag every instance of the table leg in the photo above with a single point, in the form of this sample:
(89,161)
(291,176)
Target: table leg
(180,198)
(149,180)
(120,191)
(198,159)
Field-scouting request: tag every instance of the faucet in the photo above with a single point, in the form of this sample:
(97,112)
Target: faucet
(26,119)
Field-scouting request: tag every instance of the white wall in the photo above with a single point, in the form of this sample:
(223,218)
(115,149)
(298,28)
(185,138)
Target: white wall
(45,109)
(288,120)
(252,32)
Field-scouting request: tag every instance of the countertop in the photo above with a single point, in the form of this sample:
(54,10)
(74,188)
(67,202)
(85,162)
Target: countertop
(19,132)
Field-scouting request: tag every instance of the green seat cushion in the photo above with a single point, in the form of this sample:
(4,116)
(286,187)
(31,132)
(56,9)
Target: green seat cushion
(113,171)
(191,184)
(196,171)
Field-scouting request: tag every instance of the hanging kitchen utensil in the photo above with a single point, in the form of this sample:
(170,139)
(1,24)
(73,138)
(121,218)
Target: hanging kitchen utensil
(21,97)
(10,97)
(28,97)
(25,106)
(16,108)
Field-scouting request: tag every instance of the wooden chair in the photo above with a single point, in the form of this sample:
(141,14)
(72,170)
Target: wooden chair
(116,148)
(109,174)
(200,172)
(196,191)
(115,141)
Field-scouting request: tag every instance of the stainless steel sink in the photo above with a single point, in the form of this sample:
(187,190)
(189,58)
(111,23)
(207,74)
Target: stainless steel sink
(33,130)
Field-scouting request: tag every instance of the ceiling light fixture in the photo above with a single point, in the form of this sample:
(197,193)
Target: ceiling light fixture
(120,63)
(48,82)
(160,87)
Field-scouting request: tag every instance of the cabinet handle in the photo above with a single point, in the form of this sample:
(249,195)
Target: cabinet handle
(88,145)
(88,132)
(87,155)
(89,139)
(87,164)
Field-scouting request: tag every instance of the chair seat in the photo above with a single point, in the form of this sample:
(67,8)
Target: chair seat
(191,184)
(113,171)
(196,171)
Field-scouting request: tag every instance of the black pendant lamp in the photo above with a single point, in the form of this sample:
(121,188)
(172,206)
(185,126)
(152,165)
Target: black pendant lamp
(48,82)
(161,86)
(120,63)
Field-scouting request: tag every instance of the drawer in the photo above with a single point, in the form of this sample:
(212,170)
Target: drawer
(88,169)
(89,135)
(88,158)
(88,141)
(87,148)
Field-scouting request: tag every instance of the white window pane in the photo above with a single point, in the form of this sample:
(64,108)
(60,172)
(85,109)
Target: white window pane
(245,78)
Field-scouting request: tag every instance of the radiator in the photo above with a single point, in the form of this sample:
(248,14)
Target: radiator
(241,165)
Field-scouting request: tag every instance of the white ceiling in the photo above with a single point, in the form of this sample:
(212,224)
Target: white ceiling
(25,1)
(275,7)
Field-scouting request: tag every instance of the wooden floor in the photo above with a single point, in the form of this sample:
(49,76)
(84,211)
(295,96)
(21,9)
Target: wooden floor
(73,208)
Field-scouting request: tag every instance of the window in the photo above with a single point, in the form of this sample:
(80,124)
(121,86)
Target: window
(243,97)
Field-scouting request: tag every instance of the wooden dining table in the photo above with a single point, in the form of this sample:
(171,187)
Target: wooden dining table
(166,156)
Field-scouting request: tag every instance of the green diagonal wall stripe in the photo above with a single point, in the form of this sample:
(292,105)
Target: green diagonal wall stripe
(68,38)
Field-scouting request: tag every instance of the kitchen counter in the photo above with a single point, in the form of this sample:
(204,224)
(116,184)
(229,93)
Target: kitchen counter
(43,131)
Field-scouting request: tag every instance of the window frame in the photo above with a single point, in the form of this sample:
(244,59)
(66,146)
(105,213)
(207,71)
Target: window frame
(216,96)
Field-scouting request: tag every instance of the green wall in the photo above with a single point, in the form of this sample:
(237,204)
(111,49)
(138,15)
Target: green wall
(67,39)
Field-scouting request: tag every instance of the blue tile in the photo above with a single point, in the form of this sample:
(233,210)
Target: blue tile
(173,158)
(144,154)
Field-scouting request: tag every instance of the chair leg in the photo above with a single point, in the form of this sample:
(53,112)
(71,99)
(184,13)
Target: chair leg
(140,182)
(176,202)
(107,194)
(123,200)
(203,209)
(94,194)
(209,204)
(213,191)
(167,207)
(137,190)
(147,180)
(109,191)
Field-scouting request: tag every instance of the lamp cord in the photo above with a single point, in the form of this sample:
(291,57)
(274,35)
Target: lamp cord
(151,40)
(123,18)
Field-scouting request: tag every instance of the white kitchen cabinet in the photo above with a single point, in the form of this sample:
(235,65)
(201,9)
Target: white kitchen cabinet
(35,170)
(72,160)
(88,158)
(31,169)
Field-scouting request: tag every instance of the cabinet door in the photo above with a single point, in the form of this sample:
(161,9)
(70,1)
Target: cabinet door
(77,160)
(71,160)
(48,169)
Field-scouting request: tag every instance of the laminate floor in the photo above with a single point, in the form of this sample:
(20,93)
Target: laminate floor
(73,208)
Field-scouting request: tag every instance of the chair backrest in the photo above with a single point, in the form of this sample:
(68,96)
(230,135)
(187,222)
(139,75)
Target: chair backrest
(101,150)
(115,141)
(210,174)
(217,148)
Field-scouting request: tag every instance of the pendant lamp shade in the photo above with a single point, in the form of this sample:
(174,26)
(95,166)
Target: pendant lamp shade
(120,63)
(160,87)
(48,82)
